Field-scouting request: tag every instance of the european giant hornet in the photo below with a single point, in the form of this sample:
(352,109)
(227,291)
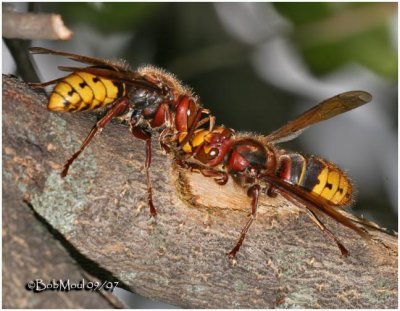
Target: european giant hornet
(152,100)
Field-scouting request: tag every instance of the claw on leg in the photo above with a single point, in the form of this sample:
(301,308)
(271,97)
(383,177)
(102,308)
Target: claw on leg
(254,192)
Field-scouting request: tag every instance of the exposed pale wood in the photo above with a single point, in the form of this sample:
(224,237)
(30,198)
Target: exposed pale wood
(31,26)
(101,209)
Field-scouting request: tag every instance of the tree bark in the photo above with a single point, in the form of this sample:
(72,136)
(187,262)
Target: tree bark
(100,208)
(31,253)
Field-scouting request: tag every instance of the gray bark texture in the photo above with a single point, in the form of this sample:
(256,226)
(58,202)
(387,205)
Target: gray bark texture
(100,210)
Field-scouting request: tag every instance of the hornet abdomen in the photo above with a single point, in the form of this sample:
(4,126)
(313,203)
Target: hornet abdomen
(84,91)
(317,176)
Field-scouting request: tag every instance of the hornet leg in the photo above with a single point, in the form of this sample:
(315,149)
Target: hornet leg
(254,192)
(119,107)
(221,178)
(322,227)
(146,136)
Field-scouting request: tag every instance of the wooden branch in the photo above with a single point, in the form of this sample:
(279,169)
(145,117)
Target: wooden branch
(19,50)
(101,209)
(34,26)
(31,253)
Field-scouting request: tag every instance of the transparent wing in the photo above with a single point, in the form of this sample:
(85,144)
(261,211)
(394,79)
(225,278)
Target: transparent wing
(315,204)
(323,111)
(129,77)
(79,58)
(106,69)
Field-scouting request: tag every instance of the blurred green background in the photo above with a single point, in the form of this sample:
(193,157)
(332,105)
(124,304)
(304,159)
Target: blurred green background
(258,65)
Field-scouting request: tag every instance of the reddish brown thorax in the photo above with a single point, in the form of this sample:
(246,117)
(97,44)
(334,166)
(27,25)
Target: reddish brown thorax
(249,155)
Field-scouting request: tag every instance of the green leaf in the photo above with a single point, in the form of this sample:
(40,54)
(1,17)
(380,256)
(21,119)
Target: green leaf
(107,16)
(330,35)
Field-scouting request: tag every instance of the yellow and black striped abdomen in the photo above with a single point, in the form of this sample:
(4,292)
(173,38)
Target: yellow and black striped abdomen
(315,175)
(84,91)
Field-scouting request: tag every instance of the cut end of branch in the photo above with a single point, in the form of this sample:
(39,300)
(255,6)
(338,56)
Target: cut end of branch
(59,28)
(33,26)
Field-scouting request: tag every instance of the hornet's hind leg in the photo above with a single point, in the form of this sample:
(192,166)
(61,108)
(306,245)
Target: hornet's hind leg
(120,106)
(146,136)
(161,118)
(324,229)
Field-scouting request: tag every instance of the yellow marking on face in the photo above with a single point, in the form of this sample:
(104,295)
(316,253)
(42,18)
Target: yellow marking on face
(181,136)
(186,147)
(333,180)
(322,177)
(198,139)
(207,149)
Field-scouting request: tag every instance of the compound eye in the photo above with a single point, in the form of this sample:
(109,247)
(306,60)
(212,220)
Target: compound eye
(206,156)
(213,153)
